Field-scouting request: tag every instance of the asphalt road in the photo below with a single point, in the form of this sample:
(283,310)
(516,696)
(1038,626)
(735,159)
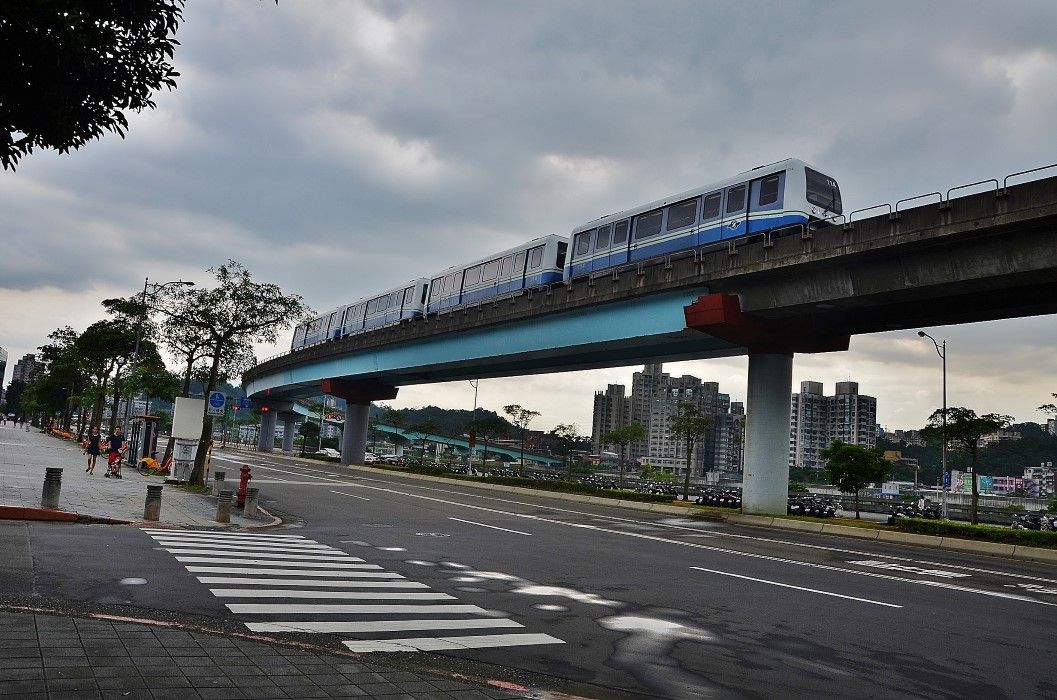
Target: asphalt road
(592,600)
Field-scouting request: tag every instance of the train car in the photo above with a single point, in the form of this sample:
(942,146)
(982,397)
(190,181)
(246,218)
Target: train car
(773,196)
(389,307)
(536,263)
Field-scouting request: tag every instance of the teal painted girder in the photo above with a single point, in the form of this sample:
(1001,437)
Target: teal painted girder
(611,335)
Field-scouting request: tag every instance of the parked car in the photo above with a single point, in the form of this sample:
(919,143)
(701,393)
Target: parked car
(370,458)
(329,452)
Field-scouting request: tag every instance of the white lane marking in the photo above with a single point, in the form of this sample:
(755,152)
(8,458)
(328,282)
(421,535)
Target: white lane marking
(724,550)
(341,573)
(478,641)
(273,563)
(262,555)
(288,482)
(380,625)
(221,533)
(698,532)
(493,527)
(342,493)
(797,588)
(347,595)
(326,583)
(341,609)
(892,566)
(223,544)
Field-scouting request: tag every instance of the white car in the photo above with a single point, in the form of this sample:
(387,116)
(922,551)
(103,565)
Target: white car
(370,458)
(329,452)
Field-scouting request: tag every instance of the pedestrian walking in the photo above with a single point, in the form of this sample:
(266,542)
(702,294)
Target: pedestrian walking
(115,452)
(93,446)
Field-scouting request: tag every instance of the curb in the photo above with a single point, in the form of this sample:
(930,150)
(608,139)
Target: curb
(47,514)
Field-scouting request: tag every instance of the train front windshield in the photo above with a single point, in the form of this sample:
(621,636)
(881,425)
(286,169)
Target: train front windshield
(822,191)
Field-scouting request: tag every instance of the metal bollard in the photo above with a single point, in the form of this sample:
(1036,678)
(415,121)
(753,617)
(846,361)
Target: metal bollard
(224,507)
(49,497)
(152,505)
(218,482)
(249,509)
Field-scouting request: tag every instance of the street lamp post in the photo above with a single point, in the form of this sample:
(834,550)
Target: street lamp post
(473,426)
(941,350)
(139,335)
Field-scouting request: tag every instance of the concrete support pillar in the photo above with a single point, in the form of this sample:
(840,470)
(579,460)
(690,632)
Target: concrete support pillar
(354,436)
(766,478)
(289,429)
(266,441)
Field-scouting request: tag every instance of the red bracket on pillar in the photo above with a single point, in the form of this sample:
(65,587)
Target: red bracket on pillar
(359,391)
(720,316)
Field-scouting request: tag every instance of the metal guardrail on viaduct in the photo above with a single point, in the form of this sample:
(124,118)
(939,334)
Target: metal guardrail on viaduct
(985,256)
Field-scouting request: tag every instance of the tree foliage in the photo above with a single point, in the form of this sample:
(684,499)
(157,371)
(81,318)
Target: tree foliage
(689,424)
(72,68)
(521,417)
(622,437)
(567,436)
(853,467)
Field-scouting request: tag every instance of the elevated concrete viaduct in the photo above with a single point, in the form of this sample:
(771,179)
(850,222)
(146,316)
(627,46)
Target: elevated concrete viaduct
(986,256)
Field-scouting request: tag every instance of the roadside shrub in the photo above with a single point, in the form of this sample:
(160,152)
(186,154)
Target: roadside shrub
(989,533)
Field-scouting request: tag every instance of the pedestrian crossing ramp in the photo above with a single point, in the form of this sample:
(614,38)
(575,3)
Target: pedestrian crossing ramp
(280,583)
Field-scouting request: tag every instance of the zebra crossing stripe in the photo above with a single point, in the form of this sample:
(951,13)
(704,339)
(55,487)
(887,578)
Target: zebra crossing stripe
(343,609)
(380,625)
(219,533)
(342,573)
(347,595)
(213,543)
(214,580)
(272,562)
(450,643)
(263,555)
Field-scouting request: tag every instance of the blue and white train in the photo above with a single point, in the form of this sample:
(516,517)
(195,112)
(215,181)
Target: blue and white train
(780,195)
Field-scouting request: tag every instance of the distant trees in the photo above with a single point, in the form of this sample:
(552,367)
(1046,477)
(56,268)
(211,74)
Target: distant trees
(490,427)
(963,432)
(689,424)
(622,437)
(73,67)
(308,431)
(853,467)
(521,417)
(567,435)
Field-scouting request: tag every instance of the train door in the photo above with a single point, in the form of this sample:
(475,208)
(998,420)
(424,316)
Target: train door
(711,219)
(735,211)
(519,270)
(765,202)
(334,326)
(603,241)
(618,245)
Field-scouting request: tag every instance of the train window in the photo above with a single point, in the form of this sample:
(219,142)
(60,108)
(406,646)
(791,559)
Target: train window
(491,271)
(436,287)
(508,266)
(712,203)
(394,299)
(376,305)
(648,224)
(333,321)
(620,233)
(359,311)
(299,334)
(409,296)
(736,199)
(314,325)
(519,263)
(562,246)
(535,258)
(682,214)
(602,238)
(473,276)
(583,243)
(822,191)
(768,190)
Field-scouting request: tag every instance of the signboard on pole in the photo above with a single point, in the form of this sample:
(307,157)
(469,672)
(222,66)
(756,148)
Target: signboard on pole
(246,404)
(216,403)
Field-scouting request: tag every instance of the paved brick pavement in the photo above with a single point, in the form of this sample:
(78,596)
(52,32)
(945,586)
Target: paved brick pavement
(50,657)
(25,455)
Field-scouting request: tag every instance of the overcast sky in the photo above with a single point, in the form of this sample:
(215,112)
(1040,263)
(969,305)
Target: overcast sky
(339,148)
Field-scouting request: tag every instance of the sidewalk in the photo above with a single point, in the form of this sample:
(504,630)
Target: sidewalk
(24,457)
(56,656)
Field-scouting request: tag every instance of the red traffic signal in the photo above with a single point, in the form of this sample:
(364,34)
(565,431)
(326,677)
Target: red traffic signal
(264,409)
(235,407)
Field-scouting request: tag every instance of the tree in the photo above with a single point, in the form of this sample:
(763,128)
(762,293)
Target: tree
(428,428)
(689,424)
(490,427)
(308,431)
(853,467)
(72,67)
(1050,408)
(13,397)
(397,418)
(567,435)
(963,432)
(622,437)
(237,312)
(521,417)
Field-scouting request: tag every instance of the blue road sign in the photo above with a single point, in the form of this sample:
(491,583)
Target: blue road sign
(246,404)
(217,401)
(946,480)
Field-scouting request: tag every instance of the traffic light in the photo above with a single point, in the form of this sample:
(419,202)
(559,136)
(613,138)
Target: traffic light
(264,409)
(234,407)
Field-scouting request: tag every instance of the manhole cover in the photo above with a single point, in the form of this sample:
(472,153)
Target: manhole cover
(431,534)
